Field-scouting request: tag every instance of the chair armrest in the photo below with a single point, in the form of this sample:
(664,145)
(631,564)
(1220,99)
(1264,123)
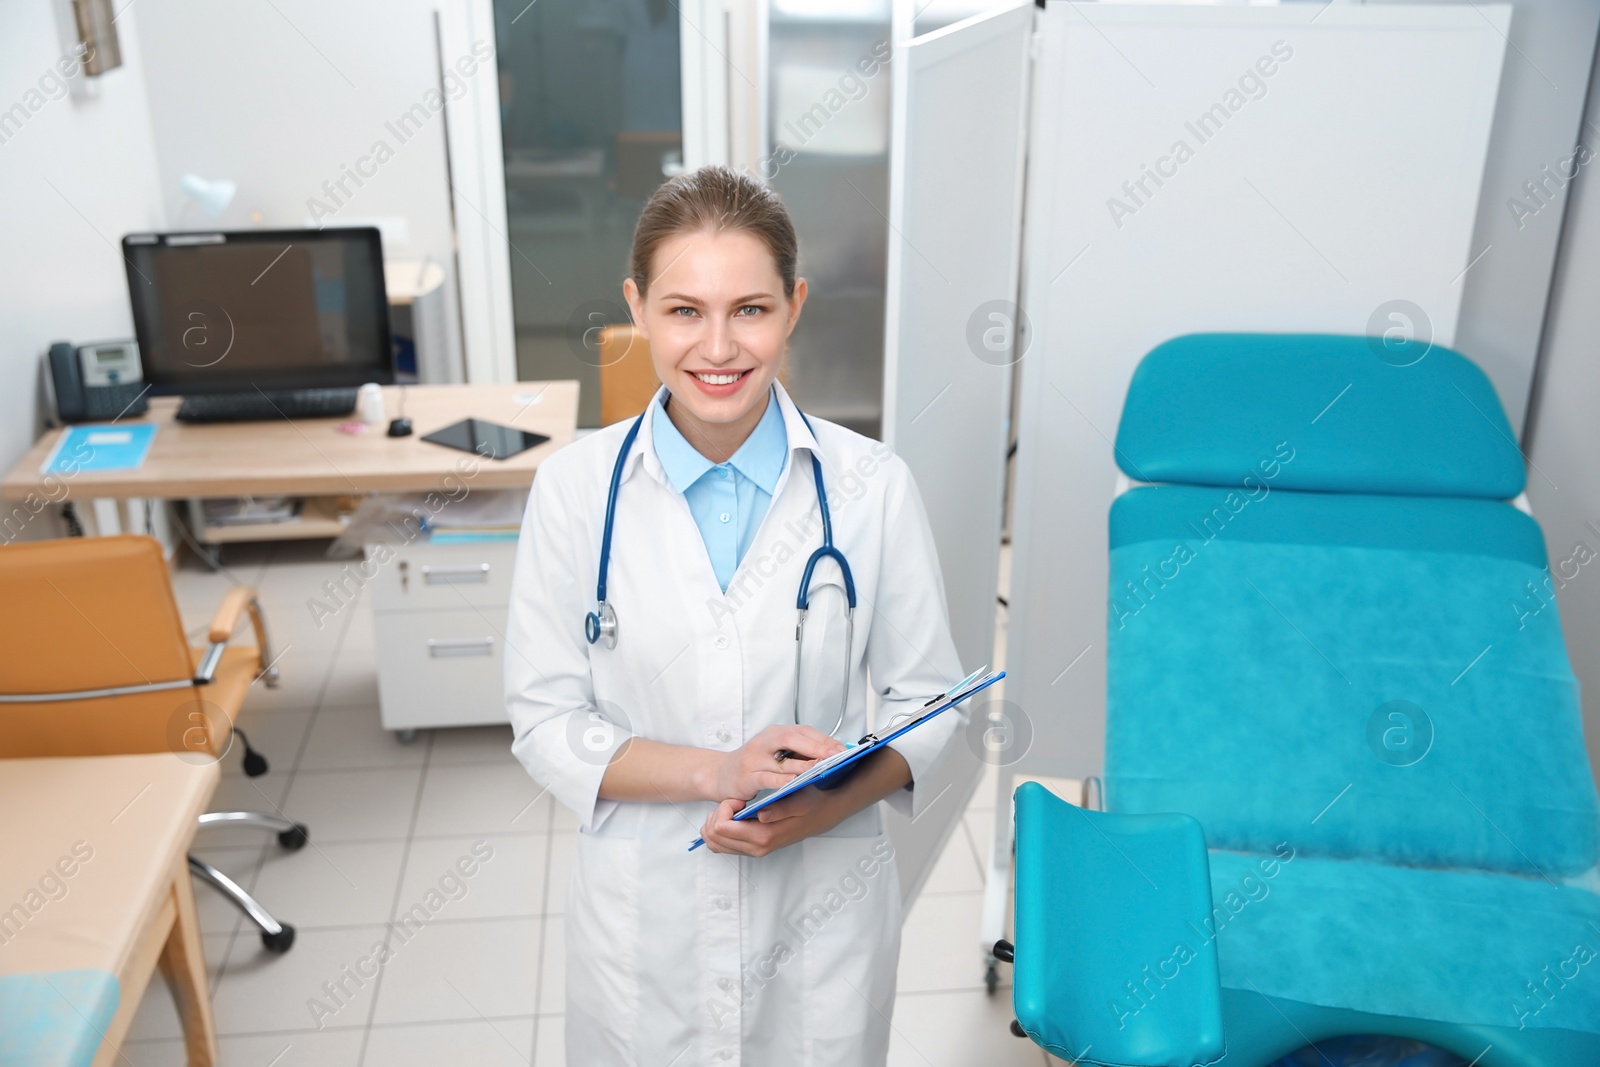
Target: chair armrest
(226,619)
(240,598)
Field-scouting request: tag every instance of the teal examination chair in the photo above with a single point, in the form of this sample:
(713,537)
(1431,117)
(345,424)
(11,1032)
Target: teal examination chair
(1345,783)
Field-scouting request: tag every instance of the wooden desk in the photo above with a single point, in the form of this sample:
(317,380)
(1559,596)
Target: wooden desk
(311,456)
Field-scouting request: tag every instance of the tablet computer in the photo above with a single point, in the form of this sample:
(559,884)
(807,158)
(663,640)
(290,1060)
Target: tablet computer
(487,439)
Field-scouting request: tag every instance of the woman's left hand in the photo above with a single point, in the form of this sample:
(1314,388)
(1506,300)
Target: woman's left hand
(800,815)
(809,812)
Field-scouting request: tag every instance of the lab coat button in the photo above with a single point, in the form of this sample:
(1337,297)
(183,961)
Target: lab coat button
(723,735)
(723,516)
(721,641)
(724,984)
(723,904)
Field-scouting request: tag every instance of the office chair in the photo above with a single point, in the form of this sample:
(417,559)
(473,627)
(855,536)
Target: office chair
(1345,783)
(627,377)
(97,663)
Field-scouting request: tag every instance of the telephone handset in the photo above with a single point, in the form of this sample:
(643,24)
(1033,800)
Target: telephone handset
(97,382)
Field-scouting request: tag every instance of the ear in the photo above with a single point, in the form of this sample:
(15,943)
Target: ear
(635,299)
(796,302)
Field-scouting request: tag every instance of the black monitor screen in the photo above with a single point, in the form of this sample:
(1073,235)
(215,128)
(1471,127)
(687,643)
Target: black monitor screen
(223,312)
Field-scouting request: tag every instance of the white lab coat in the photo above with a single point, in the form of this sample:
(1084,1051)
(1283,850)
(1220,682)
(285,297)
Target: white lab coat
(677,957)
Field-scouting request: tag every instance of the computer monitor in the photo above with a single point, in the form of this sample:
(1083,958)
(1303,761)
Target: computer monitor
(264,310)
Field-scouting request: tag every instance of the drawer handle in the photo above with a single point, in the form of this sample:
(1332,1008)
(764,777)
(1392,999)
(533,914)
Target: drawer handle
(466,574)
(440,648)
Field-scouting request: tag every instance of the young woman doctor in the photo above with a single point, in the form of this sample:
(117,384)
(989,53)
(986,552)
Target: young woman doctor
(778,944)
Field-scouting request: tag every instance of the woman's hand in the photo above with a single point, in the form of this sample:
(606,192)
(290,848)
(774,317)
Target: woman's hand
(806,813)
(646,770)
(741,774)
(795,817)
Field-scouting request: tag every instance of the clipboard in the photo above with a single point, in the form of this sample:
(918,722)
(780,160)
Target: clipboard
(828,772)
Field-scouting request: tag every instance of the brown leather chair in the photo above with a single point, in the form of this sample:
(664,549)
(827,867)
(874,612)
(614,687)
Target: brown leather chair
(627,377)
(96,663)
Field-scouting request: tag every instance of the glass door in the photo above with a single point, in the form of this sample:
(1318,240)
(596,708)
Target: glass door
(828,93)
(591,123)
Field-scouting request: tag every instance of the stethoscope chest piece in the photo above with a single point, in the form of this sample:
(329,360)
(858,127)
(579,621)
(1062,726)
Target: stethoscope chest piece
(601,624)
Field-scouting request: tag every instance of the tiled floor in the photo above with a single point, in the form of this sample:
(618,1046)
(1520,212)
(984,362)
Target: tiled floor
(481,981)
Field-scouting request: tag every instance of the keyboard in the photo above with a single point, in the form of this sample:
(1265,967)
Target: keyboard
(270,404)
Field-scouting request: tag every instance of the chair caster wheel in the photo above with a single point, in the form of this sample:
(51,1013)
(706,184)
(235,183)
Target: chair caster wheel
(295,840)
(991,979)
(405,737)
(279,942)
(1016,1029)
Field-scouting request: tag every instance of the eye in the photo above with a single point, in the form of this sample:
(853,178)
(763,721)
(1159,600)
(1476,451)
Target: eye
(682,312)
(757,308)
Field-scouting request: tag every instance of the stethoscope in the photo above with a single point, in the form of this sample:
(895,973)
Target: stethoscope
(603,622)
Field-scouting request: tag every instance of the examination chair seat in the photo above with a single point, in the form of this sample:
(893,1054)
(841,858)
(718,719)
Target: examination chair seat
(1134,943)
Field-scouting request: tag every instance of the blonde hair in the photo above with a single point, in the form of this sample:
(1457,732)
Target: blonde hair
(719,199)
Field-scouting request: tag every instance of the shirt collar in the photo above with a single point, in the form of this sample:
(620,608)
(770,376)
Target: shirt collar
(762,455)
(680,461)
(796,433)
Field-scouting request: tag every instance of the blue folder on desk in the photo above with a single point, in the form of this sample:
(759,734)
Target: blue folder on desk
(101,447)
(831,769)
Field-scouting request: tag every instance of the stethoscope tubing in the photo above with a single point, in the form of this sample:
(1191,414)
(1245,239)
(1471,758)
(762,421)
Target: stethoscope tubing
(602,623)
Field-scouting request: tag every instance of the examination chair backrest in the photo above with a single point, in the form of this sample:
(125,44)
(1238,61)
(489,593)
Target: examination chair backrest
(86,614)
(1328,625)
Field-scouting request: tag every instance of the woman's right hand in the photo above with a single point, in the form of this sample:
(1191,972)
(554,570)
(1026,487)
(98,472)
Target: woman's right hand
(753,766)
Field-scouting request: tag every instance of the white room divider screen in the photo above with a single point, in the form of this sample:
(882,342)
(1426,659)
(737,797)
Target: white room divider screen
(960,99)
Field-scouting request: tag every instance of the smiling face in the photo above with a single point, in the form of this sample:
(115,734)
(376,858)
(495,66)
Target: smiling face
(717,321)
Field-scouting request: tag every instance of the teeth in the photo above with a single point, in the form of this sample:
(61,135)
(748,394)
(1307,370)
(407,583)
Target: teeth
(718,379)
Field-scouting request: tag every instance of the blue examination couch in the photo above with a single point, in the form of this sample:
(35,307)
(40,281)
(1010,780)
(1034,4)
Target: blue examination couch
(1345,781)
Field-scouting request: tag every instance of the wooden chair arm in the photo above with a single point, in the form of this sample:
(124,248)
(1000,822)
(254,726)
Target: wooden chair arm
(227,618)
(240,598)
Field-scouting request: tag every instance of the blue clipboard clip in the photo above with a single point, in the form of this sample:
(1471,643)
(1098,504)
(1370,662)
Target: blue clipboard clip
(829,772)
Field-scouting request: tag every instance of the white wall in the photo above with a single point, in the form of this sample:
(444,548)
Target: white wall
(1564,482)
(75,175)
(287,96)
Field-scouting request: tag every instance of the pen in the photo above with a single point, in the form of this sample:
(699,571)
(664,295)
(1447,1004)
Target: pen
(784,754)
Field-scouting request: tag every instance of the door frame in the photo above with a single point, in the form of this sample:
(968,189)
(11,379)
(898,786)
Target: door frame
(477,180)
(476,156)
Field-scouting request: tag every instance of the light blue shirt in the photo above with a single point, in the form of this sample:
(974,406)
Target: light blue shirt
(727,500)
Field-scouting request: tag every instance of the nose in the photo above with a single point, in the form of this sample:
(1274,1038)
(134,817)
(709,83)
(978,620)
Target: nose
(719,346)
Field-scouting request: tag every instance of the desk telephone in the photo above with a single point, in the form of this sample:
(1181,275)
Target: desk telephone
(97,382)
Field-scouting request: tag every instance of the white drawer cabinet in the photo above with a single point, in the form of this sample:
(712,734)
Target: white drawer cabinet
(422,575)
(439,613)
